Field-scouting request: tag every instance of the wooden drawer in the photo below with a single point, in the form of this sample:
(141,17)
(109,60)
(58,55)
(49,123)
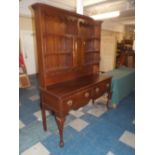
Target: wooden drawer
(69,103)
(100,88)
(77,100)
(49,101)
(83,97)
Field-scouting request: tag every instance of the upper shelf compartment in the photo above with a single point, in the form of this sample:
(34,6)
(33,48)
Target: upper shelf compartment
(60,25)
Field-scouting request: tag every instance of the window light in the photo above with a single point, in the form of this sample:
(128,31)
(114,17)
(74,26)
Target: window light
(106,15)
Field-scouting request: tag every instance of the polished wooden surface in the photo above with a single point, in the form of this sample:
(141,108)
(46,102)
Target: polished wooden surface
(78,84)
(68,49)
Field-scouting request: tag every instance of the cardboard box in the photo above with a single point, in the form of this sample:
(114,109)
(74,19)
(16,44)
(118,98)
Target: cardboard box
(24,81)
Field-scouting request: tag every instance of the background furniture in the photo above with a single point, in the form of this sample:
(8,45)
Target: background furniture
(68,46)
(123,83)
(125,54)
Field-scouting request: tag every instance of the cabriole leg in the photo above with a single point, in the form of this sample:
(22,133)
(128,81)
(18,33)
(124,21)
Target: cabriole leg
(60,123)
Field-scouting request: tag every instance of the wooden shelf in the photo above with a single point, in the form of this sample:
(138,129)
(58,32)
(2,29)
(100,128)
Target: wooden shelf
(92,51)
(58,69)
(58,53)
(58,35)
(92,63)
(124,49)
(94,38)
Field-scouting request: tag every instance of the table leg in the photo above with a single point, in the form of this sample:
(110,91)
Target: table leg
(60,123)
(44,118)
(43,113)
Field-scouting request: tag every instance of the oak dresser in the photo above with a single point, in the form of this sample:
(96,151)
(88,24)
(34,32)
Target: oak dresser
(68,50)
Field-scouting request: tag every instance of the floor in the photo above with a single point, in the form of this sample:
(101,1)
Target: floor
(91,130)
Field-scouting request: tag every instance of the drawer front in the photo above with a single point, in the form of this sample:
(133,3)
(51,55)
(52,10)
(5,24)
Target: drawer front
(69,103)
(83,97)
(49,101)
(100,88)
(77,100)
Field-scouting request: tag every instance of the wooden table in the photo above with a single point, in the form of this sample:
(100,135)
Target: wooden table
(63,97)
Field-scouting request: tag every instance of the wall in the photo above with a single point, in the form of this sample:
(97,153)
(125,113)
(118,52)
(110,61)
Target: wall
(119,35)
(28,43)
(111,26)
(26,24)
(109,41)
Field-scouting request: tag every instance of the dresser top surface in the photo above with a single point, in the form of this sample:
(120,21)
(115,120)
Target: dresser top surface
(77,84)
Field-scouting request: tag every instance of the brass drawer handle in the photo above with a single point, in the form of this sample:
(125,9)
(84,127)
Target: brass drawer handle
(86,94)
(70,102)
(97,90)
(107,84)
